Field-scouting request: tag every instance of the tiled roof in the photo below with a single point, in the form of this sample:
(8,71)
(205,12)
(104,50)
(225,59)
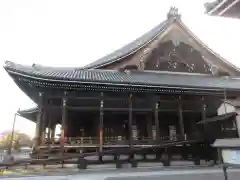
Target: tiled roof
(131,47)
(221,7)
(132,78)
(222,117)
(28,111)
(147,38)
(29,114)
(209,6)
(232,143)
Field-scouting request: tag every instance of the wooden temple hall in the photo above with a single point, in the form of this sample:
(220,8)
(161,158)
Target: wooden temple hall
(165,90)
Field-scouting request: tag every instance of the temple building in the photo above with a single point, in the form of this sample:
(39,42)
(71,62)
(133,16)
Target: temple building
(165,89)
(224,8)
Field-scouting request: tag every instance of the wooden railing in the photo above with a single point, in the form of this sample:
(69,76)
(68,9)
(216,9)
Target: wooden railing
(161,154)
(115,140)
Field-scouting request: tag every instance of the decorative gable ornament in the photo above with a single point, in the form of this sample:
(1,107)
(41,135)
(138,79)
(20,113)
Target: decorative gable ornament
(173,13)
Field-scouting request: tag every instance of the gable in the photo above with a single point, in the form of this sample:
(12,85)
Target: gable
(172,30)
(177,51)
(178,33)
(173,50)
(177,57)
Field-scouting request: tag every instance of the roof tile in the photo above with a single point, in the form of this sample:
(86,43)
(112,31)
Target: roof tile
(135,77)
(131,47)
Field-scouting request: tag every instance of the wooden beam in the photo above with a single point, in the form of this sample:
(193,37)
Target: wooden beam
(124,98)
(83,96)
(95,108)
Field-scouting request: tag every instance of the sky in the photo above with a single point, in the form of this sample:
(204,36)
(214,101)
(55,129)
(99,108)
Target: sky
(75,33)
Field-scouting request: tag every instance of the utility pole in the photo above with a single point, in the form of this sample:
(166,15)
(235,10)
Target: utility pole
(11,138)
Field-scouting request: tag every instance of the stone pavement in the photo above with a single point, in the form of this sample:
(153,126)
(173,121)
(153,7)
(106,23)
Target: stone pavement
(198,174)
(56,170)
(143,174)
(72,169)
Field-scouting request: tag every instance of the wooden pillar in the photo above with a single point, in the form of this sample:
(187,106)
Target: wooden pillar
(225,100)
(157,121)
(206,150)
(135,127)
(149,125)
(101,124)
(49,131)
(39,121)
(180,114)
(203,112)
(64,123)
(49,126)
(130,120)
(53,127)
(43,127)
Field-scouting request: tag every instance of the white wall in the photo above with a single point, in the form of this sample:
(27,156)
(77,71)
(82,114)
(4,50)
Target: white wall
(229,108)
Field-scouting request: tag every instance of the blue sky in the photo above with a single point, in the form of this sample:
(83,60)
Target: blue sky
(75,33)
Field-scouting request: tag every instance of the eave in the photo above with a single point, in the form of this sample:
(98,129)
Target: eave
(219,118)
(32,81)
(30,114)
(224,8)
(233,102)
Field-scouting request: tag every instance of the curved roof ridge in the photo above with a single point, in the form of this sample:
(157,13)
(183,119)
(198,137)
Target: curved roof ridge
(131,47)
(37,67)
(54,73)
(21,67)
